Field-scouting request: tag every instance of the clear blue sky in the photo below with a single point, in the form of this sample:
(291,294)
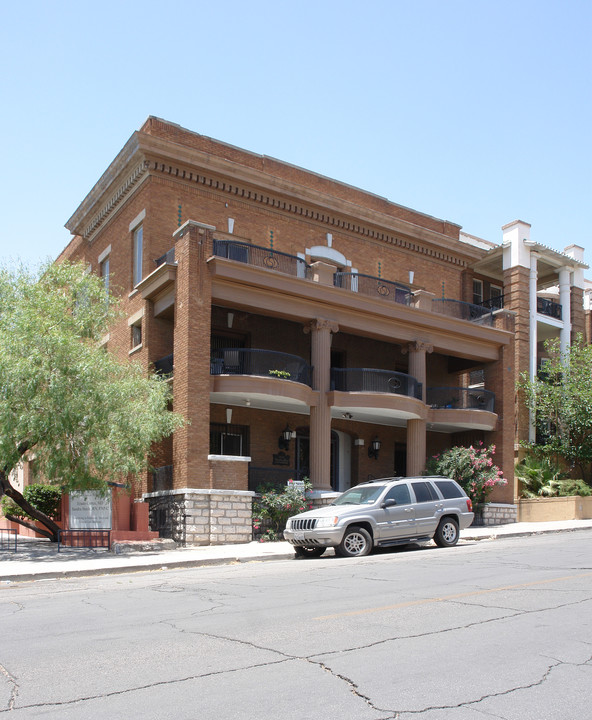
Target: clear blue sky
(475,112)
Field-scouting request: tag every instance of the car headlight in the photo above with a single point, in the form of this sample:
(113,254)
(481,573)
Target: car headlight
(327,521)
(289,524)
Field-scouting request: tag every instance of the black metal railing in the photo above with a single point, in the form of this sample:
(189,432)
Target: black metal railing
(262,257)
(84,539)
(162,478)
(369,285)
(460,398)
(372,380)
(263,363)
(168,257)
(549,308)
(8,539)
(463,311)
(494,303)
(164,366)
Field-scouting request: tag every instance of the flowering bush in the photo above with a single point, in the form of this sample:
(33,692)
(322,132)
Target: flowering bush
(472,468)
(272,508)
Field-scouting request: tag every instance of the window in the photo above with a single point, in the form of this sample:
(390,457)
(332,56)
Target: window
(424,492)
(136,335)
(104,272)
(448,489)
(477,292)
(138,251)
(226,439)
(400,494)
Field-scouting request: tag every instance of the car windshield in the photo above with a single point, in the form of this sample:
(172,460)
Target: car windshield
(360,495)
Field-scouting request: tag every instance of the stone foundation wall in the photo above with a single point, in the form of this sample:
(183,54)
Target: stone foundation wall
(320,498)
(202,517)
(499,514)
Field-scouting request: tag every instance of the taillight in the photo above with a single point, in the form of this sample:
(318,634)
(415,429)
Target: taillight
(469,505)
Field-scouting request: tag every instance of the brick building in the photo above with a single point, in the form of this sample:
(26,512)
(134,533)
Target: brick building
(308,328)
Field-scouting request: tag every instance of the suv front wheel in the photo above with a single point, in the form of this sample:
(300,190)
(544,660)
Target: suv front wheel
(356,543)
(447,533)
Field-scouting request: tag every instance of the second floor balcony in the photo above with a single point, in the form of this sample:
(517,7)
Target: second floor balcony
(370,380)
(464,311)
(460,398)
(549,308)
(373,286)
(260,363)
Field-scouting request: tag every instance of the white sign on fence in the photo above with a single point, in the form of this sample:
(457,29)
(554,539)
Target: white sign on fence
(298,484)
(90,511)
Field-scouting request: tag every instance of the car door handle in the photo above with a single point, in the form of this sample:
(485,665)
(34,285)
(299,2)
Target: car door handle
(408,509)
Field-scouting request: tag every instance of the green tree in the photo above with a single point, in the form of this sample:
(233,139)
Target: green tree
(561,398)
(84,416)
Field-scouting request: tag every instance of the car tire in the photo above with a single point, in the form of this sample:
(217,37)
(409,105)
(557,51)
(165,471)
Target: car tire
(356,543)
(447,533)
(308,552)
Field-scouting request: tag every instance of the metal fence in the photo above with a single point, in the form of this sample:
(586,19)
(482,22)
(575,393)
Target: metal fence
(371,380)
(84,539)
(262,257)
(8,539)
(262,363)
(168,257)
(369,285)
(549,308)
(460,398)
(463,311)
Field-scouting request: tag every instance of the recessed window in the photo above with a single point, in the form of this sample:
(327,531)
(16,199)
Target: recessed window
(226,439)
(137,254)
(477,292)
(136,335)
(104,272)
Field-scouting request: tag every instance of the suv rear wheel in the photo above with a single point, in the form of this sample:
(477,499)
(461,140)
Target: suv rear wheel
(356,543)
(447,533)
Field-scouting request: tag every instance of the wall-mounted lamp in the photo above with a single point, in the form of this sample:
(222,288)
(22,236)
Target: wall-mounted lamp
(374,448)
(284,439)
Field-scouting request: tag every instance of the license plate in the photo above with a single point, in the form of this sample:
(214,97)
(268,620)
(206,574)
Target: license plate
(299,536)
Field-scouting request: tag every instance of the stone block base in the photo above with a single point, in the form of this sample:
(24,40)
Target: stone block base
(499,514)
(202,517)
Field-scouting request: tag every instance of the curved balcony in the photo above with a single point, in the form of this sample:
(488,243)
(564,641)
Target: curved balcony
(455,409)
(463,311)
(460,398)
(262,257)
(262,363)
(374,381)
(369,285)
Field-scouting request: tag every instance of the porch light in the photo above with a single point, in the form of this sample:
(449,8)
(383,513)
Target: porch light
(374,448)
(284,438)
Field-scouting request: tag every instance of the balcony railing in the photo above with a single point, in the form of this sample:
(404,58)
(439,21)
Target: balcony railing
(494,303)
(549,308)
(369,285)
(168,257)
(162,478)
(262,257)
(164,366)
(463,311)
(460,398)
(262,363)
(378,381)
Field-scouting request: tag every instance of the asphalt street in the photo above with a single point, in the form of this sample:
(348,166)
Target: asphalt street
(491,629)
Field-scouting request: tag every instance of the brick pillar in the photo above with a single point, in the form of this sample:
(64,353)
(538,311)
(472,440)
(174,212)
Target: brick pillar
(517,299)
(578,319)
(500,379)
(320,416)
(191,384)
(416,447)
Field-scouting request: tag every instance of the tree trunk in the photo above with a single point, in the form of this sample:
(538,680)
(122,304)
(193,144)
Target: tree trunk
(31,526)
(11,492)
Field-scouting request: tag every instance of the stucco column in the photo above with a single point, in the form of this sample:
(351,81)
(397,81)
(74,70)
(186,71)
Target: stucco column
(565,301)
(191,383)
(417,362)
(320,416)
(416,447)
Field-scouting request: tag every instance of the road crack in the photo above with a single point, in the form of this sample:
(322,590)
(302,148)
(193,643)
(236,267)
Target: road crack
(14,691)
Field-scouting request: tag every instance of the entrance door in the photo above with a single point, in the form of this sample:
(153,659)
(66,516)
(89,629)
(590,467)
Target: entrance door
(303,457)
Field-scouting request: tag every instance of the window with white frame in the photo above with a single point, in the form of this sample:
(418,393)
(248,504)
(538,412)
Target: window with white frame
(138,235)
(477,292)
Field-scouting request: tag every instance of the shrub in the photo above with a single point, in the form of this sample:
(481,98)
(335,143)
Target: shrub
(472,468)
(45,498)
(539,477)
(272,508)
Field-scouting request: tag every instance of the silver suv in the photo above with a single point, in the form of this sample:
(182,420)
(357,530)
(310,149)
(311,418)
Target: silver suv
(381,513)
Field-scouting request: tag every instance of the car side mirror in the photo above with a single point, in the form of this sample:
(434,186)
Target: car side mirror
(389,503)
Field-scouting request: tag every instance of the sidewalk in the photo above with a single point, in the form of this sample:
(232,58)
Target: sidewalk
(39,560)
